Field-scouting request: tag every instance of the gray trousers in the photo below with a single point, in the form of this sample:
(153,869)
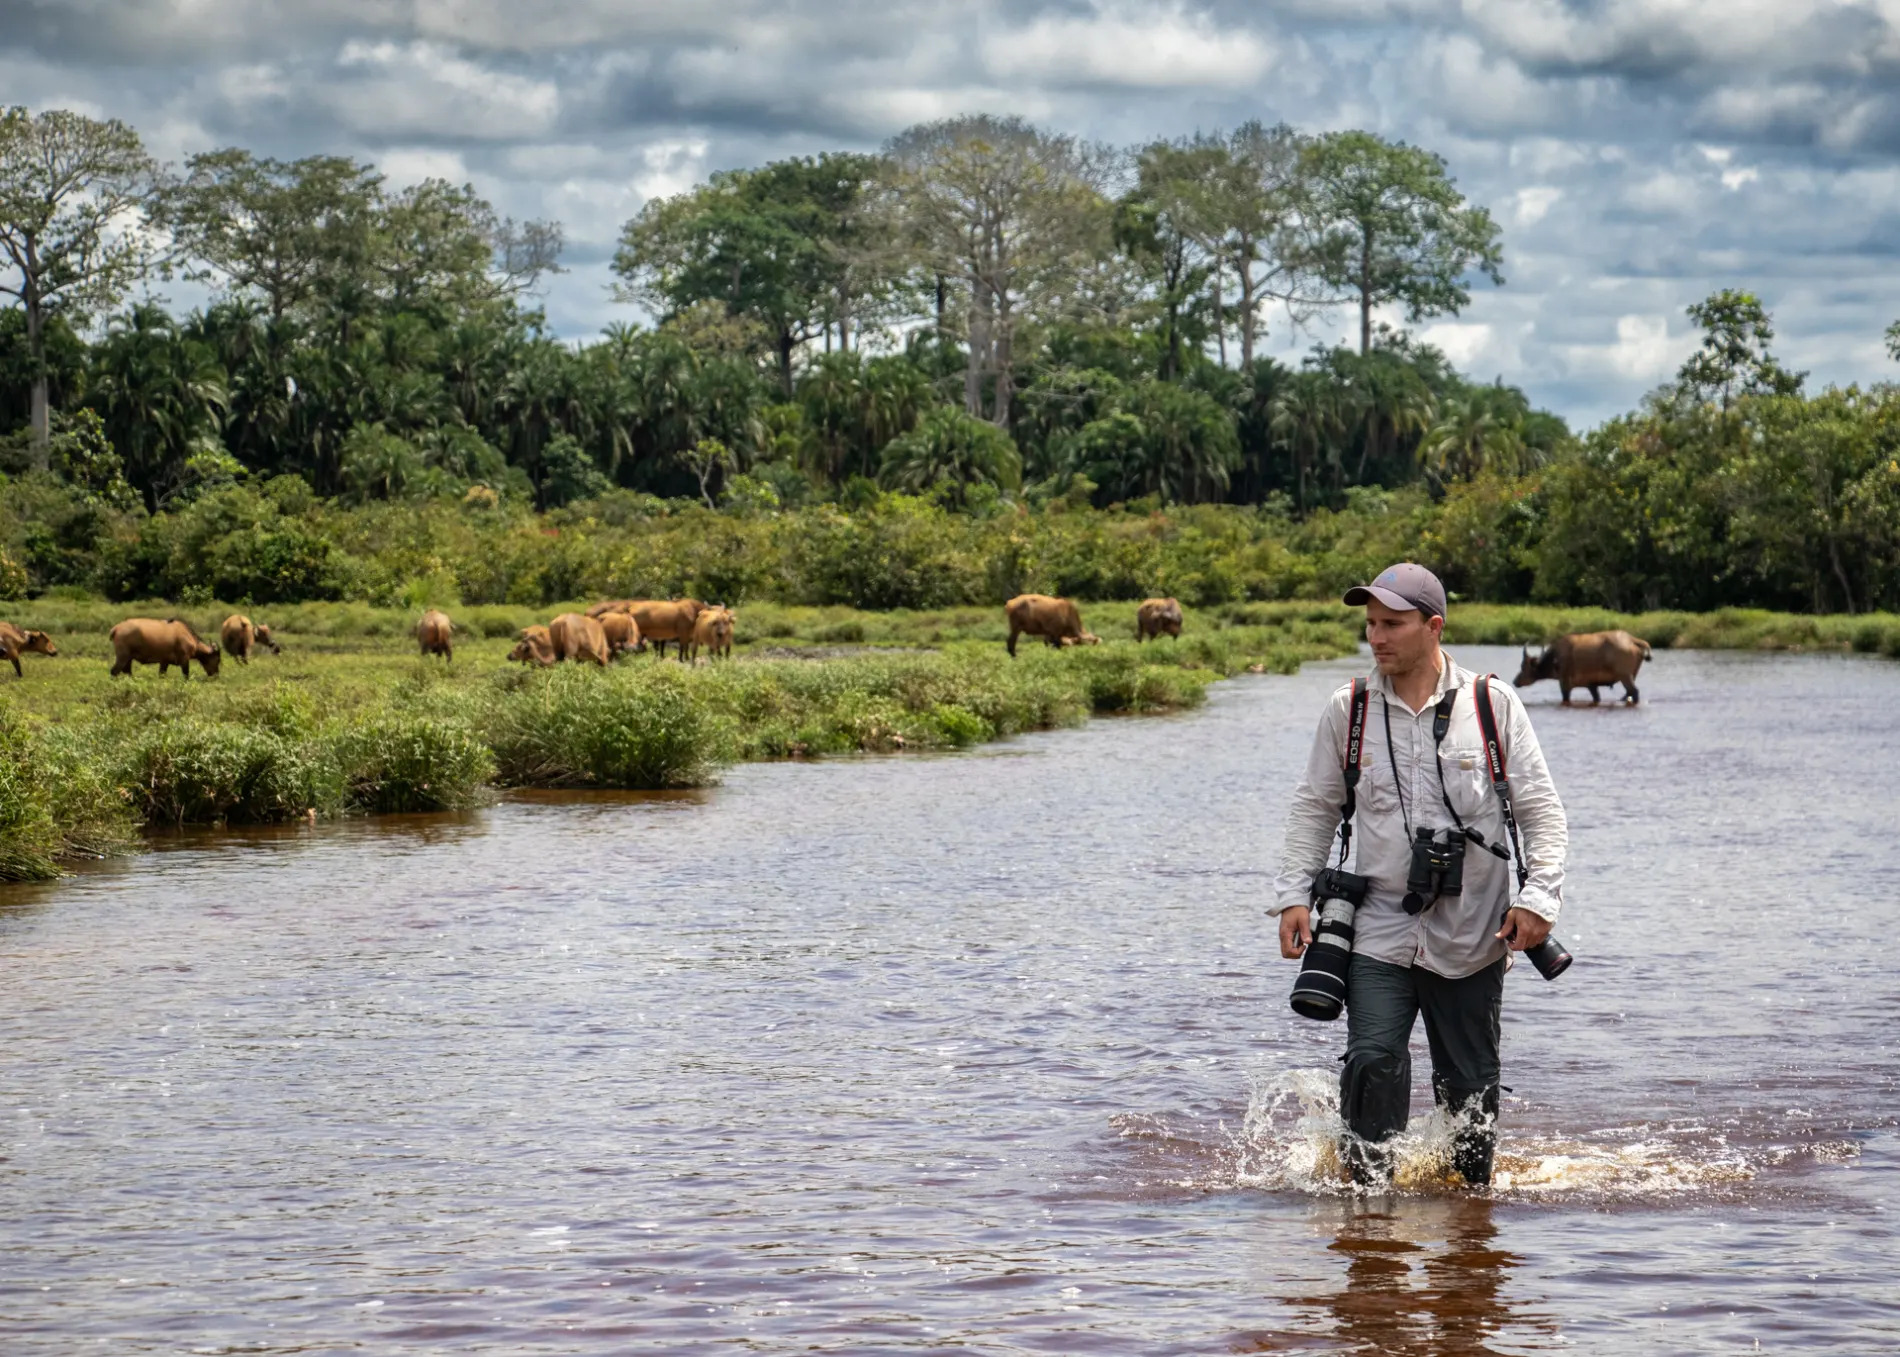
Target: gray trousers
(1462,1027)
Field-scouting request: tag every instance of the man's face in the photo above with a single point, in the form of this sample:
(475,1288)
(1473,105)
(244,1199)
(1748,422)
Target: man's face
(1401,641)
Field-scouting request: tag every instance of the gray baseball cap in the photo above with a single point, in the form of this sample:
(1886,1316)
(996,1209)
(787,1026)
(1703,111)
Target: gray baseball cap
(1404,586)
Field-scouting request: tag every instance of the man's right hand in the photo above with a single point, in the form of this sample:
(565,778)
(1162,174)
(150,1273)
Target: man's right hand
(1296,930)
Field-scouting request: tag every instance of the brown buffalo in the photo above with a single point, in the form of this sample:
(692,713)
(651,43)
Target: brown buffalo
(534,647)
(141,640)
(1589,660)
(713,629)
(659,621)
(434,634)
(1054,619)
(578,637)
(1158,617)
(15,642)
(240,636)
(623,633)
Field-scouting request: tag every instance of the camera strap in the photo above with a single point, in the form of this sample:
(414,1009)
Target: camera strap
(1500,781)
(1355,742)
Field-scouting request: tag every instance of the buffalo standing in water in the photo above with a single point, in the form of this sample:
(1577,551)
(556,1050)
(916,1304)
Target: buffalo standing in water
(1589,660)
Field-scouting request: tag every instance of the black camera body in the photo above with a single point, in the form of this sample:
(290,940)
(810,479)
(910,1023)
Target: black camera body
(1320,992)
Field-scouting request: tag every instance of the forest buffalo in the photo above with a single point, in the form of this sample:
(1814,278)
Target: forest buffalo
(434,633)
(240,636)
(534,647)
(142,640)
(578,637)
(15,642)
(713,629)
(1158,617)
(1588,660)
(1054,619)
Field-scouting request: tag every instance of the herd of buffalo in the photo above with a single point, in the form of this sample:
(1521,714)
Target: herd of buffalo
(1590,660)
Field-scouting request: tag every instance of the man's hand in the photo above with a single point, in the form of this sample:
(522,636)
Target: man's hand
(1522,929)
(1296,930)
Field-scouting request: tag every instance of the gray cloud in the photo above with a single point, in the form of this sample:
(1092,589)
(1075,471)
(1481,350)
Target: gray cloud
(1639,153)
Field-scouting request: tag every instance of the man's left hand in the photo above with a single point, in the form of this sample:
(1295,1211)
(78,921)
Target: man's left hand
(1523,930)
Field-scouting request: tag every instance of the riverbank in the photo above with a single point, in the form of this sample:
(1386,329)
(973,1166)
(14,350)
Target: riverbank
(348,720)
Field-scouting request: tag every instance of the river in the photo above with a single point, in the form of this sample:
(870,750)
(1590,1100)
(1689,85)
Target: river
(986,1052)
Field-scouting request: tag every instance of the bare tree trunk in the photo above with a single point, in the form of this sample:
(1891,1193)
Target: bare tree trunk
(1005,355)
(1365,293)
(40,417)
(979,347)
(1243,266)
(1220,316)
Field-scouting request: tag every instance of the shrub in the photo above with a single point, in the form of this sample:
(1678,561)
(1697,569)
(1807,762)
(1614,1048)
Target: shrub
(401,761)
(29,838)
(638,727)
(197,771)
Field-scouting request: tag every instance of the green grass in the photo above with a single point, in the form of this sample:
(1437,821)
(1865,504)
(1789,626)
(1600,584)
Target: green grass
(350,720)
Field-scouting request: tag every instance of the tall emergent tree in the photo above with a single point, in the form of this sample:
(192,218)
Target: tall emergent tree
(1013,216)
(73,192)
(1392,227)
(783,245)
(1734,358)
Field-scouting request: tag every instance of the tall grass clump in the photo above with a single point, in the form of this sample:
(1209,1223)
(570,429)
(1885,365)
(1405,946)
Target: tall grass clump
(192,770)
(403,760)
(639,727)
(29,837)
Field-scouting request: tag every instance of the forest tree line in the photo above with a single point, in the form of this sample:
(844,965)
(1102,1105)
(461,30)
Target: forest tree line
(987,315)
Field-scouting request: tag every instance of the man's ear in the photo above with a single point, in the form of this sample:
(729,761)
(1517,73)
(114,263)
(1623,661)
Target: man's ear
(1437,624)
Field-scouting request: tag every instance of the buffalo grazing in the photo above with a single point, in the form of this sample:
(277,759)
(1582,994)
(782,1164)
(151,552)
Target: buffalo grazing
(534,647)
(1158,617)
(144,640)
(713,629)
(578,637)
(240,636)
(1056,620)
(434,634)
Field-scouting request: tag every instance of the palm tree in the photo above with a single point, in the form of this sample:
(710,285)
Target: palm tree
(161,396)
(1479,428)
(1308,421)
(952,450)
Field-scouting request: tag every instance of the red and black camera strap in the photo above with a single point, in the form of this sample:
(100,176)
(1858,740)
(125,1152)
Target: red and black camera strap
(1494,763)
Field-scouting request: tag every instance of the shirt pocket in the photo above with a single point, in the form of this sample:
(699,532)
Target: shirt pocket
(1467,782)
(1377,792)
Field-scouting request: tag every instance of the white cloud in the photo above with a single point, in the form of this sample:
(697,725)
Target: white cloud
(1735,178)
(1644,351)
(1168,49)
(1533,204)
(403,89)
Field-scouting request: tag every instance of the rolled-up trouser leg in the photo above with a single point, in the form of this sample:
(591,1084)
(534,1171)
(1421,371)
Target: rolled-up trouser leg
(1462,1026)
(1375,1088)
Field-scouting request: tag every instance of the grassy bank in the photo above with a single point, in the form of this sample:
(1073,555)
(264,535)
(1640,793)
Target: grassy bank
(349,720)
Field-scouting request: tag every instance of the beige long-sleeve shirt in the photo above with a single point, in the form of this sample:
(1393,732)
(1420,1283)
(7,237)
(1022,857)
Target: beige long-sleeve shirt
(1456,936)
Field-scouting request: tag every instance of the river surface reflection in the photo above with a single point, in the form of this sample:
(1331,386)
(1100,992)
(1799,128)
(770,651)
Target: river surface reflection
(986,1052)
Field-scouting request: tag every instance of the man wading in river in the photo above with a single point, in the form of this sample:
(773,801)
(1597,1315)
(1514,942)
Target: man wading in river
(1423,950)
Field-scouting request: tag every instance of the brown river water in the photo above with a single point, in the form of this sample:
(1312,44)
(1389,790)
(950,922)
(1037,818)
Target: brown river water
(986,1052)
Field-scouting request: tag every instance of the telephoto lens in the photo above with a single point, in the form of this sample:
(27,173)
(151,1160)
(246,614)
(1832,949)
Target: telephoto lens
(1320,992)
(1549,957)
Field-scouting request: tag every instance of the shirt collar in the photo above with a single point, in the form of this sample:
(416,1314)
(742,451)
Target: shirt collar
(1450,675)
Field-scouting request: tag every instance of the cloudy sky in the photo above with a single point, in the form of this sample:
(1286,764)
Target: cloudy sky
(1638,153)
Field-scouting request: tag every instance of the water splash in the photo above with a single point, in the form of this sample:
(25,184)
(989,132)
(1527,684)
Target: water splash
(1290,1141)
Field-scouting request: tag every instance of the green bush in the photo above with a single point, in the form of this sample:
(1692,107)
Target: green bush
(193,770)
(638,727)
(399,761)
(29,837)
